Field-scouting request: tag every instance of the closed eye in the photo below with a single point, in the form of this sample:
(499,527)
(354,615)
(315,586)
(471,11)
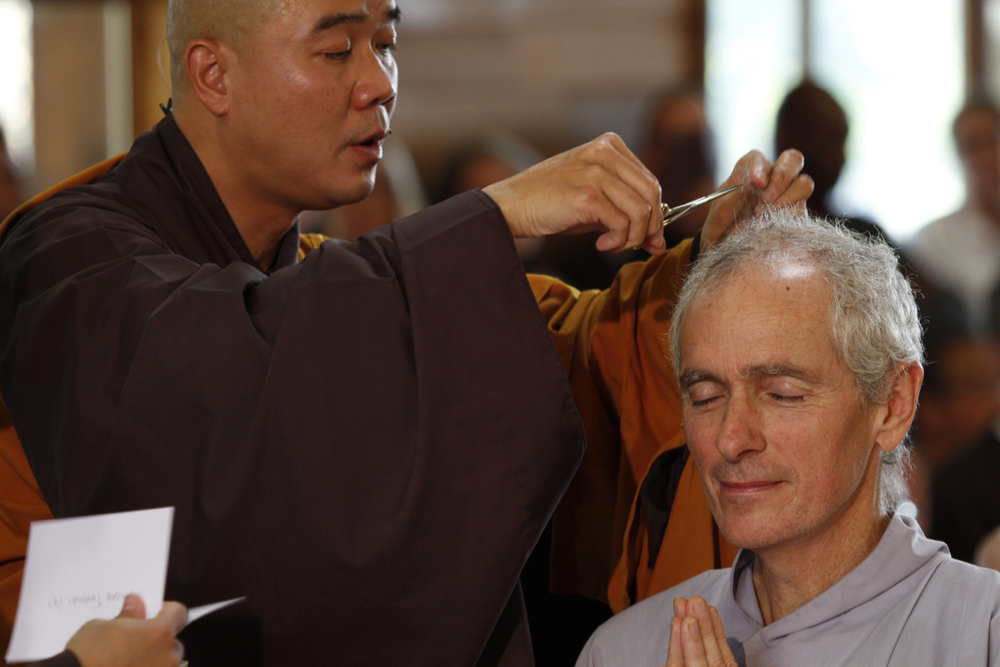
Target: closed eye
(705,402)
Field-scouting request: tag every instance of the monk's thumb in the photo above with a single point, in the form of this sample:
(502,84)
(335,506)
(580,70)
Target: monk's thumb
(133,607)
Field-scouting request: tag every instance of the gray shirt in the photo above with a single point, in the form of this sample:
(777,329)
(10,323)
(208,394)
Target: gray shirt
(908,603)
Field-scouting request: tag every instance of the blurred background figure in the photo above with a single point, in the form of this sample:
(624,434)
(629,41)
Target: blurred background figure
(960,398)
(680,151)
(398,192)
(499,154)
(988,551)
(956,439)
(10,187)
(961,252)
(811,120)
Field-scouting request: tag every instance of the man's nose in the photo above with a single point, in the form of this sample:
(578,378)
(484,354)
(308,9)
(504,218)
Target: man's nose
(739,434)
(376,84)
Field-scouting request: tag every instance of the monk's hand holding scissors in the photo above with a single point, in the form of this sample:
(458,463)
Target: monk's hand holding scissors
(765,184)
(598,186)
(697,638)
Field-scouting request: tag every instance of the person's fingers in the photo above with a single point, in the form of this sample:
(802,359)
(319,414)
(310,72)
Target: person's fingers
(753,170)
(675,651)
(785,170)
(713,655)
(797,193)
(613,155)
(680,607)
(720,637)
(133,607)
(175,614)
(694,647)
(632,225)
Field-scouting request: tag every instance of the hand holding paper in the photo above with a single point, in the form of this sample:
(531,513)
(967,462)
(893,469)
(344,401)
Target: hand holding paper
(130,640)
(82,569)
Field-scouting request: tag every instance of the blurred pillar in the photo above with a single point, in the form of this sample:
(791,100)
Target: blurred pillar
(975,48)
(149,29)
(68,71)
(697,30)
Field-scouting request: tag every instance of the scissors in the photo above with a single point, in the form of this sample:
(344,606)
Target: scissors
(671,214)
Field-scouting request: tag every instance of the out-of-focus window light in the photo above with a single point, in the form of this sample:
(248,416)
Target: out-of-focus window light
(752,58)
(16,95)
(898,75)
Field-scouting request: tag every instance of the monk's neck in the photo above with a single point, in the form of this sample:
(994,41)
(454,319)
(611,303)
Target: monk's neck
(261,220)
(787,577)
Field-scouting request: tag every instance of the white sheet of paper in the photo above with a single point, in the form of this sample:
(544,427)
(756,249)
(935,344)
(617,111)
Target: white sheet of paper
(197,612)
(82,568)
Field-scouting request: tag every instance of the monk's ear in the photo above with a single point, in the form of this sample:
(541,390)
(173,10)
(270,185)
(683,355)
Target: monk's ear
(206,64)
(898,412)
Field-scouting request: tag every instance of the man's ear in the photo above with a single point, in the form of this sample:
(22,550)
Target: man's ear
(206,64)
(899,410)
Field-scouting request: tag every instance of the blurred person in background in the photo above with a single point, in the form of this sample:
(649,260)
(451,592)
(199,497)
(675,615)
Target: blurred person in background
(961,251)
(957,435)
(497,155)
(988,551)
(811,120)
(680,151)
(959,405)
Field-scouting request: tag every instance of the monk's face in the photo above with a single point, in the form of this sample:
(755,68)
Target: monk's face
(312,93)
(776,427)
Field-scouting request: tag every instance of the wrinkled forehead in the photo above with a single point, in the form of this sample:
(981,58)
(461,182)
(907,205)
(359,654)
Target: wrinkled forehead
(786,294)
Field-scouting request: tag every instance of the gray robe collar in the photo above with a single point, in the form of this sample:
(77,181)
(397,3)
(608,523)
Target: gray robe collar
(902,560)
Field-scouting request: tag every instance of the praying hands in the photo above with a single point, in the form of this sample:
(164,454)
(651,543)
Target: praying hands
(697,638)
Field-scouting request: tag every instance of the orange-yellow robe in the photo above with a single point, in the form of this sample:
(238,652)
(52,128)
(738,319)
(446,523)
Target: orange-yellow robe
(614,347)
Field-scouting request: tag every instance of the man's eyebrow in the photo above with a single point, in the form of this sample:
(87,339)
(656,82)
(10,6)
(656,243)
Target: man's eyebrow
(333,20)
(691,376)
(780,369)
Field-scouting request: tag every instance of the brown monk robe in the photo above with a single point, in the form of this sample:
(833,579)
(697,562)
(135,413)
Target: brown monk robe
(314,455)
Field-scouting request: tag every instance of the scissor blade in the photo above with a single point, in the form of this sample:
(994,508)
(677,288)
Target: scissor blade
(673,214)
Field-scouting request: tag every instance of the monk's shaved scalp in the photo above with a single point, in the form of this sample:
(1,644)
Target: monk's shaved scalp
(232,22)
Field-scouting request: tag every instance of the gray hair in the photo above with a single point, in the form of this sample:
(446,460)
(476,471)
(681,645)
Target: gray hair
(874,326)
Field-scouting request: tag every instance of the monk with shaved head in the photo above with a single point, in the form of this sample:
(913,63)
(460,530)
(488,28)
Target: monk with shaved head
(365,440)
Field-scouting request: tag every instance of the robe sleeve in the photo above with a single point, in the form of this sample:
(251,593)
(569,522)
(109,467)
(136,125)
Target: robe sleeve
(339,439)
(614,345)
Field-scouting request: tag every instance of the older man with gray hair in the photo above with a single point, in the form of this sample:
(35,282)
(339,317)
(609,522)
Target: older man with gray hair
(797,348)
